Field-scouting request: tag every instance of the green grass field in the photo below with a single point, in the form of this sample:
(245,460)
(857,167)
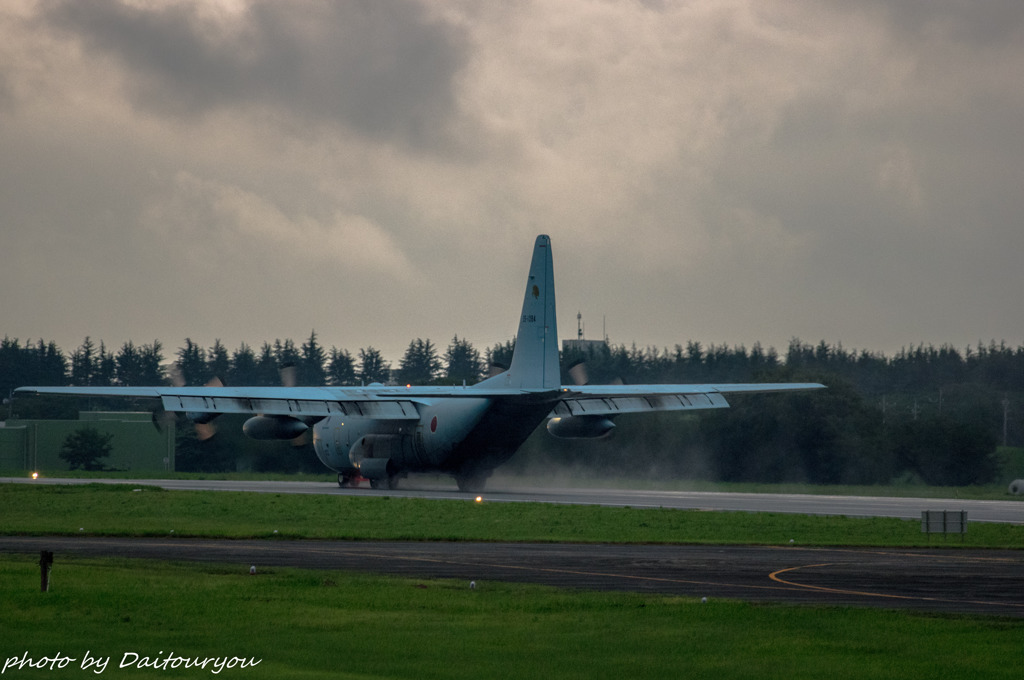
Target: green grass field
(304,624)
(313,624)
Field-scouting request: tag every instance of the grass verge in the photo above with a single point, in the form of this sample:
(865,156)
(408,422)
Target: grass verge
(127,510)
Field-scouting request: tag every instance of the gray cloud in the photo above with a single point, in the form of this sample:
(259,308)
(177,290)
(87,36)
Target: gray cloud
(383,68)
(999,24)
(717,171)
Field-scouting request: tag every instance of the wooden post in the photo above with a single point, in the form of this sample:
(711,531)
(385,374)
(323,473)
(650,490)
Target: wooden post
(45,562)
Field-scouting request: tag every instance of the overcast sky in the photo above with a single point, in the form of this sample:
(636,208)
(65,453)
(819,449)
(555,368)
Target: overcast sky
(724,171)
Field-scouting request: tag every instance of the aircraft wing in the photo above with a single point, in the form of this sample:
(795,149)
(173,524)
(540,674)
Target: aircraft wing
(399,402)
(612,400)
(382,402)
(298,402)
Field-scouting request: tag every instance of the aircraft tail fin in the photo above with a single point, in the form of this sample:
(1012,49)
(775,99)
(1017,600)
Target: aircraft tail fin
(535,359)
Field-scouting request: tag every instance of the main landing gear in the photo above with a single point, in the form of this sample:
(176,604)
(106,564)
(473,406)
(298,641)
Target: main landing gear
(354,479)
(349,479)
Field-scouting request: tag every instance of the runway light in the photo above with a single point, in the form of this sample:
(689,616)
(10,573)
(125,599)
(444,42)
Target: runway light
(479,499)
(35,475)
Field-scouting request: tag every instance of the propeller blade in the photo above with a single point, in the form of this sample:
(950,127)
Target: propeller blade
(163,420)
(289,374)
(205,431)
(578,372)
(203,422)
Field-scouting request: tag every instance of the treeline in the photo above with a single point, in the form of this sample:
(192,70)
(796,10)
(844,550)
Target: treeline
(310,363)
(983,384)
(920,368)
(927,414)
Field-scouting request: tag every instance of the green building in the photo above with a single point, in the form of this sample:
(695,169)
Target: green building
(137,446)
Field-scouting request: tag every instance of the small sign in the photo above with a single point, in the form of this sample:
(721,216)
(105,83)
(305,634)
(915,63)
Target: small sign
(944,522)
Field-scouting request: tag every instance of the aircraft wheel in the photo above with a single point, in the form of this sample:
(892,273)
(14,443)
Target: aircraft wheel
(345,480)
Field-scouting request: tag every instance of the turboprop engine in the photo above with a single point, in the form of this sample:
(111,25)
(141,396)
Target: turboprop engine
(580,427)
(273,427)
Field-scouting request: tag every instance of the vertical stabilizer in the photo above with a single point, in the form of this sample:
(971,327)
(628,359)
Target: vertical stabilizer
(535,360)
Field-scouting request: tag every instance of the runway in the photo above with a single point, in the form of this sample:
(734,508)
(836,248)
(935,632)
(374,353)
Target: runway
(931,580)
(508,491)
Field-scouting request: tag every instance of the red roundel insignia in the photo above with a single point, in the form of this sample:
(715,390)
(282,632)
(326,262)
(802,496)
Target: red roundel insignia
(433,424)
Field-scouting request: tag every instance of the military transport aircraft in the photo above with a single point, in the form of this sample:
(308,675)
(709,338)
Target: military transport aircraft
(384,432)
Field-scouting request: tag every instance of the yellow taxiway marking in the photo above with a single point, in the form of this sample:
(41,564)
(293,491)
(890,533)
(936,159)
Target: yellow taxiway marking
(840,591)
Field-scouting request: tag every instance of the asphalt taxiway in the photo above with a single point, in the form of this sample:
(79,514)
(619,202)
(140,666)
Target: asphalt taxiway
(934,580)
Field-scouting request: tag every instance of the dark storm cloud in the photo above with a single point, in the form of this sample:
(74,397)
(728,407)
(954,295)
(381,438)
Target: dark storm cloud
(384,69)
